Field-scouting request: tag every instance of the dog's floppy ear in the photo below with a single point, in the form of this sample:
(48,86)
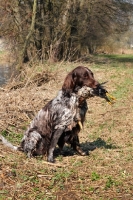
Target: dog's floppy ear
(69,83)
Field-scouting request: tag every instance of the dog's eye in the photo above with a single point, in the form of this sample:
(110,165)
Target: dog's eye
(86,75)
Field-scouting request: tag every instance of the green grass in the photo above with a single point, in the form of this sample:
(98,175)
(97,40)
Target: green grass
(2,52)
(122,58)
(95,176)
(12,136)
(124,87)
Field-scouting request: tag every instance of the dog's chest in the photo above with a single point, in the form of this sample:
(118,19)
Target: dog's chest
(64,109)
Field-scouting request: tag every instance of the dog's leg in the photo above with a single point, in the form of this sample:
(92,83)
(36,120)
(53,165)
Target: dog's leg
(61,143)
(76,146)
(53,144)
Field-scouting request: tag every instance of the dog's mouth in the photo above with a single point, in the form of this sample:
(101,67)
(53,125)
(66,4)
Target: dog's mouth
(86,92)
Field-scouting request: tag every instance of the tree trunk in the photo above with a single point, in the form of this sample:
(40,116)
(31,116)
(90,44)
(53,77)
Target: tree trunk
(24,56)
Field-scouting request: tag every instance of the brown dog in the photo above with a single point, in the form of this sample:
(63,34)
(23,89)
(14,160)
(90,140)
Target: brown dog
(52,124)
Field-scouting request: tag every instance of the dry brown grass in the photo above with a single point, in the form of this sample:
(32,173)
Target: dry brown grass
(106,174)
(5,57)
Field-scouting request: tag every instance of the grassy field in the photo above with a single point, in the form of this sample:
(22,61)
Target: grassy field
(106,173)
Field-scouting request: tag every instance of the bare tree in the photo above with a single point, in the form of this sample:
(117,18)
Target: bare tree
(58,30)
(30,33)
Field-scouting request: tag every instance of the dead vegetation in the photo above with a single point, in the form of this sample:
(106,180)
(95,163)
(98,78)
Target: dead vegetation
(106,174)
(22,97)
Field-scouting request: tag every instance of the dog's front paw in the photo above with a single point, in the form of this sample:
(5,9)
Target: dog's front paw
(50,159)
(80,151)
(84,153)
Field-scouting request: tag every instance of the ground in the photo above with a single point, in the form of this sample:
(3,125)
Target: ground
(107,172)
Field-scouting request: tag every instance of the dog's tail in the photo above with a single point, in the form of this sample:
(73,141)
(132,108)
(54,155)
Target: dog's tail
(9,144)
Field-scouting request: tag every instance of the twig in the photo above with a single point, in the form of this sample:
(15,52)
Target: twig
(53,164)
(43,175)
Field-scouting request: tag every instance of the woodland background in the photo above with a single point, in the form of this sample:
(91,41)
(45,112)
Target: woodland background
(65,30)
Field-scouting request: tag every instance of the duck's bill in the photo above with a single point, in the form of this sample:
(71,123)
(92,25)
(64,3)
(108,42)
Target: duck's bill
(103,93)
(109,98)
